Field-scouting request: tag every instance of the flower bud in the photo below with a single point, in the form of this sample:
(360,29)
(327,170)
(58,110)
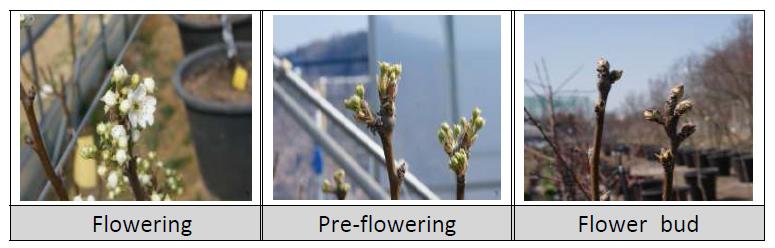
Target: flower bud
(119,75)
(442,135)
(602,65)
(677,92)
(651,115)
(353,103)
(479,123)
(616,75)
(339,176)
(135,80)
(683,107)
(88,152)
(665,156)
(326,185)
(687,130)
(476,113)
(360,90)
(457,131)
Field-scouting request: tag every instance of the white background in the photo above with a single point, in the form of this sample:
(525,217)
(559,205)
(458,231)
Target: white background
(760,111)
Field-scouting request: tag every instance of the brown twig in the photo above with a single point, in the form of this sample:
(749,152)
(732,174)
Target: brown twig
(605,79)
(561,161)
(384,121)
(36,141)
(131,170)
(674,108)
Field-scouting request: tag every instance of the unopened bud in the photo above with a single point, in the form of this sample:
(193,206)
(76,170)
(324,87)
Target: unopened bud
(353,103)
(683,107)
(677,92)
(360,91)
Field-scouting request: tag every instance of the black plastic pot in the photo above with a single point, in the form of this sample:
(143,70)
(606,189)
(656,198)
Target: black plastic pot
(196,35)
(743,165)
(650,189)
(679,157)
(221,131)
(708,181)
(688,157)
(722,161)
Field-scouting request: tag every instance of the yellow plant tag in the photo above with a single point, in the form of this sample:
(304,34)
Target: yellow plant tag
(85,170)
(239,81)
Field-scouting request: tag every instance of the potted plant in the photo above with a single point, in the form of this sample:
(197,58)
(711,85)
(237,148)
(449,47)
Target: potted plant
(219,113)
(201,30)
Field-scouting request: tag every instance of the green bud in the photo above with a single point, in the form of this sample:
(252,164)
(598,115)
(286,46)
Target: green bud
(135,80)
(476,113)
(326,186)
(353,103)
(88,152)
(360,91)
(339,176)
(479,123)
(442,135)
(458,130)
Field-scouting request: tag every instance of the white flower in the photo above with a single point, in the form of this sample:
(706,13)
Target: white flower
(119,74)
(145,179)
(156,197)
(102,128)
(117,132)
(149,84)
(46,90)
(142,108)
(101,170)
(124,106)
(121,156)
(90,198)
(110,98)
(123,141)
(77,198)
(112,180)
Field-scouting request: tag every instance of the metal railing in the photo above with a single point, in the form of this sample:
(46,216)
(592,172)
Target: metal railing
(284,76)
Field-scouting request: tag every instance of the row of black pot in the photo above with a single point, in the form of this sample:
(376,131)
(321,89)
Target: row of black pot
(221,132)
(697,189)
(727,162)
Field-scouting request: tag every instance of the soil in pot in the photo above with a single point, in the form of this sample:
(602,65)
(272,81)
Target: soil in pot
(214,84)
(708,181)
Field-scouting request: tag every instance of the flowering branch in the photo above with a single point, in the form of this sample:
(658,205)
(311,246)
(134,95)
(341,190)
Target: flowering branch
(340,189)
(457,142)
(674,108)
(129,108)
(605,79)
(384,121)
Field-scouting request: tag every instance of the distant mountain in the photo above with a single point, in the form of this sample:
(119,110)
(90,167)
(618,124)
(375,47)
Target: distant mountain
(340,55)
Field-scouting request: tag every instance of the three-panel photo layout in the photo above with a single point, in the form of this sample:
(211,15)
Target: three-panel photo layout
(411,106)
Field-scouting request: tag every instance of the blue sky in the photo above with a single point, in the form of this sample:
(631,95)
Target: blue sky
(644,46)
(311,28)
